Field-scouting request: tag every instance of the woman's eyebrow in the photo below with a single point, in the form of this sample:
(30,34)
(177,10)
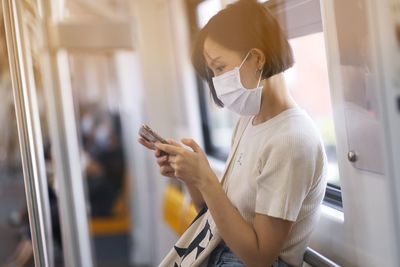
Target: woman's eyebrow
(212,59)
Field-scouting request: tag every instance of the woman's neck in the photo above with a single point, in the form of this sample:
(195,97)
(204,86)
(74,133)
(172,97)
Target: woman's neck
(275,99)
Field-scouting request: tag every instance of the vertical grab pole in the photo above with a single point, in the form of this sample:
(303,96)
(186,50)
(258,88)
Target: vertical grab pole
(65,146)
(29,133)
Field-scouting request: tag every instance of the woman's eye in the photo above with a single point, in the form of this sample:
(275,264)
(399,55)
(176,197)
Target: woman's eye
(220,69)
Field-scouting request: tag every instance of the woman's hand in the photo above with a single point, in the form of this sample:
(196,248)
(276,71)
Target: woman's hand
(162,159)
(167,170)
(146,143)
(190,165)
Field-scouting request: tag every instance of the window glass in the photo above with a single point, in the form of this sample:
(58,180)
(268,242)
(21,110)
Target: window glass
(309,85)
(206,10)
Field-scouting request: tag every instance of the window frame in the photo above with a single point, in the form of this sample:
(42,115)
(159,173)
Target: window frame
(303,26)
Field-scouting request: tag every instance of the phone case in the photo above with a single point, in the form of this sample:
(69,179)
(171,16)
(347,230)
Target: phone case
(147,133)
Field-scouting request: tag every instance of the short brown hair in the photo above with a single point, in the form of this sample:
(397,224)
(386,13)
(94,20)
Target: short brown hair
(242,26)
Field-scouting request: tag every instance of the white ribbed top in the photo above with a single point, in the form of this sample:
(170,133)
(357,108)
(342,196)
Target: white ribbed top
(279,169)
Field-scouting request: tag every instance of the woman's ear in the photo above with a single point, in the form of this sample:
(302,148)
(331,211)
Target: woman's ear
(259,56)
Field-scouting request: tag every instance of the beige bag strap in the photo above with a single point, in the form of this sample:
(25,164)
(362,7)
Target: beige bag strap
(235,145)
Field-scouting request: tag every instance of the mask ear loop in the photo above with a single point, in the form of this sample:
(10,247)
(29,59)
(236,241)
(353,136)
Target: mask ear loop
(241,64)
(259,79)
(244,60)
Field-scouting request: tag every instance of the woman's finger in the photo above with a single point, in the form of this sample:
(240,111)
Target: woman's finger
(170,149)
(166,168)
(147,144)
(167,171)
(160,153)
(171,159)
(173,165)
(162,160)
(173,142)
(170,174)
(191,143)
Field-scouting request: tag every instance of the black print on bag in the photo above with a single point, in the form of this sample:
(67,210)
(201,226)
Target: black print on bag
(202,211)
(195,246)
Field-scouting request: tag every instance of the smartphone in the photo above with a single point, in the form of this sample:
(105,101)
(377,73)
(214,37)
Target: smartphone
(149,135)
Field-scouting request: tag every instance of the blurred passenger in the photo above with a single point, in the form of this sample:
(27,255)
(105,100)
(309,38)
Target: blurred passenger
(104,159)
(267,205)
(23,255)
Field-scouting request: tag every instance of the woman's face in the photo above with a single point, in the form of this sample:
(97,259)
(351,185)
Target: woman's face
(220,60)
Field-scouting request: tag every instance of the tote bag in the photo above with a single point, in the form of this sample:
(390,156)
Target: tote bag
(198,241)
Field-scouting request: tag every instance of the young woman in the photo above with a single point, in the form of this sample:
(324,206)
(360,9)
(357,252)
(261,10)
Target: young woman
(266,205)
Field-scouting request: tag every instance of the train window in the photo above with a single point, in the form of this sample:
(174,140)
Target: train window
(307,81)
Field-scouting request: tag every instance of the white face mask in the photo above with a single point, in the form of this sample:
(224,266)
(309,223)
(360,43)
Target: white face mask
(234,96)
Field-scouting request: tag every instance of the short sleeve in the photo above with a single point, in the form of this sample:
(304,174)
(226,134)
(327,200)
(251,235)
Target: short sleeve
(286,176)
